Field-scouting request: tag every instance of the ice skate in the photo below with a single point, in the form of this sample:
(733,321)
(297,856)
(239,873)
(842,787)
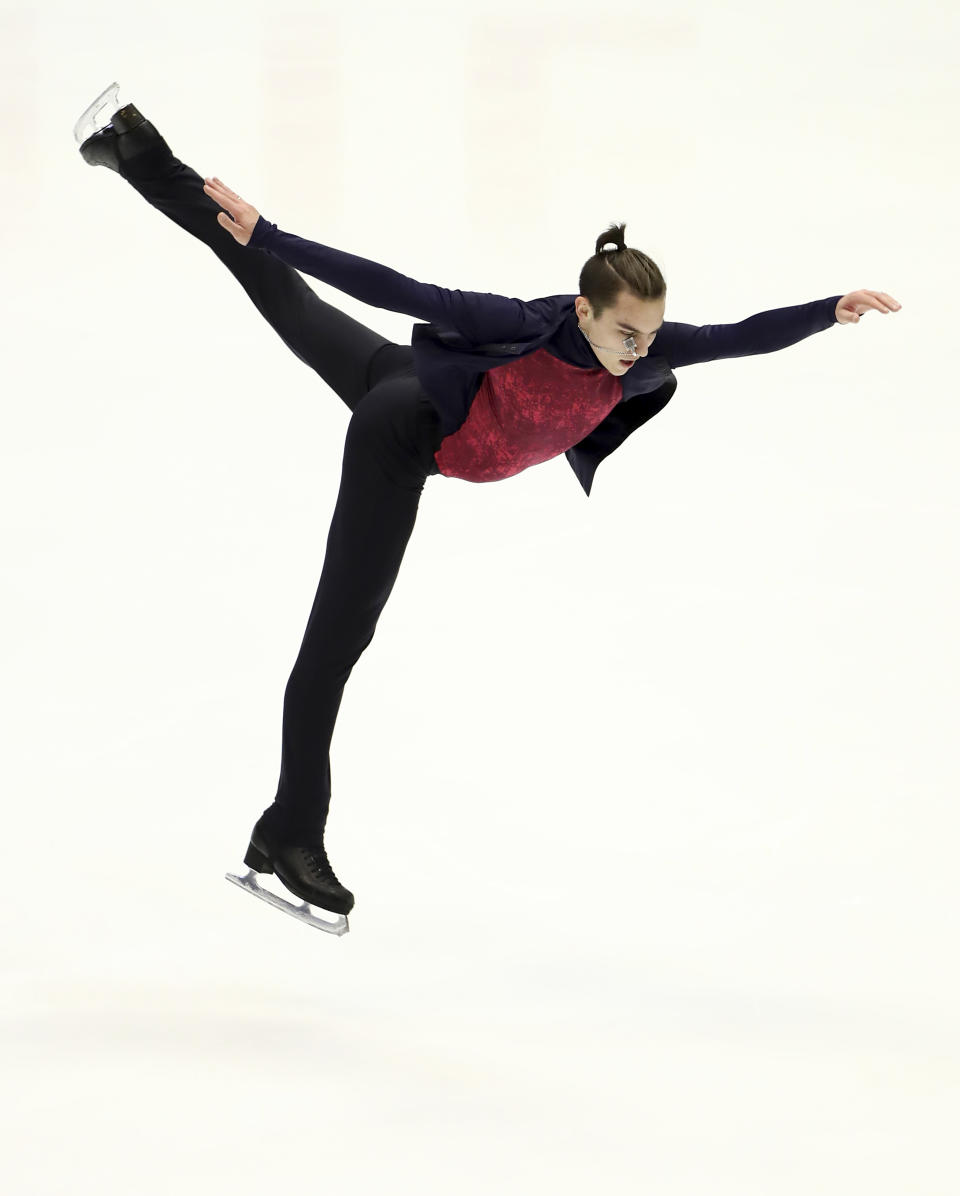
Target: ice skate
(112,134)
(302,869)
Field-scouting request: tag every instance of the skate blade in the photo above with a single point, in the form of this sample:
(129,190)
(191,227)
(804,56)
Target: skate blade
(302,912)
(88,123)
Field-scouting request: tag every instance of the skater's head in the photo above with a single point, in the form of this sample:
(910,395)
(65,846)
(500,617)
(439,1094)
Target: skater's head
(621,303)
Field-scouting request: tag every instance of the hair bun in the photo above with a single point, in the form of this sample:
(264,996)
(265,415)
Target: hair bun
(612,247)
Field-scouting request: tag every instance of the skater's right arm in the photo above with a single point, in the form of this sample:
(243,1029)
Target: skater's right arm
(478,315)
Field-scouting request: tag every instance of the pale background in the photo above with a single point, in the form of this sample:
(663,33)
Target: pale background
(648,800)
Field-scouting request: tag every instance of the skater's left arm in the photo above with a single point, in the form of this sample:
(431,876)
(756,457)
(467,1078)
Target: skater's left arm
(768,331)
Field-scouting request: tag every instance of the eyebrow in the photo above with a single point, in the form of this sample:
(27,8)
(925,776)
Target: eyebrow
(629,329)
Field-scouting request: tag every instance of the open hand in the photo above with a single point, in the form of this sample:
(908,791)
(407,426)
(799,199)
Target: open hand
(851,307)
(243,216)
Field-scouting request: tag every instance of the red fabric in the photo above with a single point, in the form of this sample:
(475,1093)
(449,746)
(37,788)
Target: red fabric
(525,412)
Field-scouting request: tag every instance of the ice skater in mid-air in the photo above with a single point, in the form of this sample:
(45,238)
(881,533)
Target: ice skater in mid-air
(488,387)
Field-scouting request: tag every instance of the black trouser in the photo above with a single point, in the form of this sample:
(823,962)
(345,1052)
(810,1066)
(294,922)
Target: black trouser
(392,435)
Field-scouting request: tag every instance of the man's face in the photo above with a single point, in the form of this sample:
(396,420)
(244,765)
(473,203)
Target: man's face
(629,317)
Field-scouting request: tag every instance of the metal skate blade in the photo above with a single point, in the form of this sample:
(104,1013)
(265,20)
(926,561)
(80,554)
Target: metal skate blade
(302,912)
(88,123)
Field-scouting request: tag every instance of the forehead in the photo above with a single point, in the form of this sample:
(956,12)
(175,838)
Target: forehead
(639,315)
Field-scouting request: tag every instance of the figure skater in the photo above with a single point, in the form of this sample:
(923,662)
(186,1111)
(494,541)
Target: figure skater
(489,386)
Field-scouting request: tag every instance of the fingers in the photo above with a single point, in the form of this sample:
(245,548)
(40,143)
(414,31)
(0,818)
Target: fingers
(859,302)
(882,301)
(217,188)
(223,195)
(216,193)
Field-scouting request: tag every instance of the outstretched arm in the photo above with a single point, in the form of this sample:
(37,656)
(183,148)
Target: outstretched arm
(766,332)
(478,315)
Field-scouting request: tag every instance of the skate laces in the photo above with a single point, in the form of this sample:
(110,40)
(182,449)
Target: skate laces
(317,858)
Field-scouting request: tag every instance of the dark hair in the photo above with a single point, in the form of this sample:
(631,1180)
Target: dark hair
(607,274)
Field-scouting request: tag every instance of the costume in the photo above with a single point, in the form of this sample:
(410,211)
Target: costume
(504,374)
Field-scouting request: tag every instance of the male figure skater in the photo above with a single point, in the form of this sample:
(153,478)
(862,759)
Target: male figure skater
(489,386)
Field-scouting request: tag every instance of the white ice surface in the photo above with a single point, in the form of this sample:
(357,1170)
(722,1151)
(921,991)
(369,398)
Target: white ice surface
(649,801)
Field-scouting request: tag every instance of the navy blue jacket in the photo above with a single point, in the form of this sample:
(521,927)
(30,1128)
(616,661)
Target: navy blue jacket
(470,332)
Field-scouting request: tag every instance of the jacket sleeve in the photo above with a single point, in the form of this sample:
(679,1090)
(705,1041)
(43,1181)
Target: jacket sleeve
(479,316)
(766,332)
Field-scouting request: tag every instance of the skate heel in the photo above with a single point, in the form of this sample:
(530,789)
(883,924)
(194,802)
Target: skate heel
(256,860)
(127,118)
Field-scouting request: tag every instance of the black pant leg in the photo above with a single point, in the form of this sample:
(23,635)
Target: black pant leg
(387,456)
(339,348)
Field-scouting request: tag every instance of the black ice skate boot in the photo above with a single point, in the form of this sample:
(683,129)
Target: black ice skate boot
(128,143)
(300,863)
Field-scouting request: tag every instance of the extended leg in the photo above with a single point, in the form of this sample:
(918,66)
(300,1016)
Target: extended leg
(340,349)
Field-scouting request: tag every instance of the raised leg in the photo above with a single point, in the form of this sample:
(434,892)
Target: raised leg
(337,347)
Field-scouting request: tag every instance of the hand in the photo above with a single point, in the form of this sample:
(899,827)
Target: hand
(245,215)
(851,307)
